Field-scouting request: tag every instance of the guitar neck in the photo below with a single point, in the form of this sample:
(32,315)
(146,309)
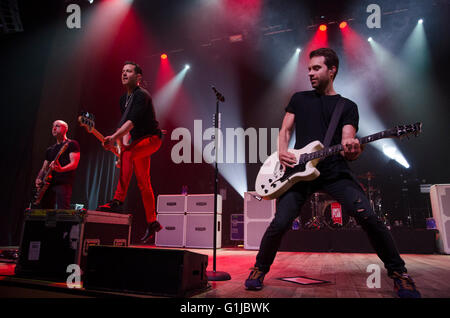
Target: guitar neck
(86,121)
(100,137)
(50,170)
(97,134)
(325,152)
(47,174)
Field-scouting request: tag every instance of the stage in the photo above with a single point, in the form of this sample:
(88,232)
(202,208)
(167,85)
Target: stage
(220,94)
(346,275)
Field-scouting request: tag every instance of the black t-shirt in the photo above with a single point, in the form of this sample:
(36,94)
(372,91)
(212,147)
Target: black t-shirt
(313,114)
(141,113)
(64,159)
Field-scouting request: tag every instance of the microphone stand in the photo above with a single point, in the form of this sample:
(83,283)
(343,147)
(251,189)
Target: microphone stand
(215,275)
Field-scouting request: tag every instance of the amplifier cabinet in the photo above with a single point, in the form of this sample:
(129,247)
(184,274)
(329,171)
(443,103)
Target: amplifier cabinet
(199,230)
(173,230)
(258,213)
(171,203)
(440,204)
(203,203)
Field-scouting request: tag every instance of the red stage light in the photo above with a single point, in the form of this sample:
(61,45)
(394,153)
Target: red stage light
(322,27)
(343,24)
(163,56)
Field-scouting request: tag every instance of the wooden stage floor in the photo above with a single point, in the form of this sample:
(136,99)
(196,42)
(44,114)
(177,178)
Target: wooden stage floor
(346,273)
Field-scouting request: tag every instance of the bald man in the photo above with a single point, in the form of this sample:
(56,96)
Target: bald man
(60,190)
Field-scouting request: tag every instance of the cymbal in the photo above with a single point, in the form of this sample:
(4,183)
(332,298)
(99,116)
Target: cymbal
(369,175)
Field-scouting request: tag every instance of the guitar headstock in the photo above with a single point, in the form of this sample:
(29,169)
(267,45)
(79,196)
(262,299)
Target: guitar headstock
(406,130)
(87,120)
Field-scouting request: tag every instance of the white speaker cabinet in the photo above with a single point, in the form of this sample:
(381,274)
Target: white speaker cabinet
(203,203)
(175,203)
(173,231)
(440,204)
(257,216)
(199,230)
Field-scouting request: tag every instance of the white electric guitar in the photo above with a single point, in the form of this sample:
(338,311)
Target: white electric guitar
(274,179)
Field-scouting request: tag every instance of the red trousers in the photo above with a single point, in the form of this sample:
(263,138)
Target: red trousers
(137,159)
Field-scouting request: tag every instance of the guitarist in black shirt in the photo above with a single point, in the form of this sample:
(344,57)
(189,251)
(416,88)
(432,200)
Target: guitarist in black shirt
(62,172)
(139,135)
(311,113)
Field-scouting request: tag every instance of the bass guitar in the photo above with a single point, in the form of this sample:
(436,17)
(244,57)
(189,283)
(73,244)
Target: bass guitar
(46,181)
(274,179)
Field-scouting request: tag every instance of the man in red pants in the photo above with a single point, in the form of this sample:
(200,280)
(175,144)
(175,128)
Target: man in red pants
(141,137)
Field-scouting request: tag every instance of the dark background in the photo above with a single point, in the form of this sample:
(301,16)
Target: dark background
(51,72)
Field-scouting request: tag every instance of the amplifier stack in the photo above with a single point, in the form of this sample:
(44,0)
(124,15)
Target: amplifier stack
(187,221)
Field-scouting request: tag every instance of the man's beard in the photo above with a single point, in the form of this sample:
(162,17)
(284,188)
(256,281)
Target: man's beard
(320,85)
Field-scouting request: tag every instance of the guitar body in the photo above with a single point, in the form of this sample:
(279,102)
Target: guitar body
(270,183)
(274,179)
(40,193)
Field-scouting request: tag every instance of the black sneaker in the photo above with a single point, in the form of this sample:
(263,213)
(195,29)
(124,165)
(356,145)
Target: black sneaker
(111,206)
(152,228)
(255,279)
(404,286)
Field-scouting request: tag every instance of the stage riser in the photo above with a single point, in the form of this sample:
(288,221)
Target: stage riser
(408,241)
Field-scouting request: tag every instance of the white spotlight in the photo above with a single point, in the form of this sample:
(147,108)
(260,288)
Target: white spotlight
(369,39)
(187,66)
(420,21)
(393,153)
(298,50)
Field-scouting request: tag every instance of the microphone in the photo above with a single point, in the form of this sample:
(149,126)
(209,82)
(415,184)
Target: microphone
(218,95)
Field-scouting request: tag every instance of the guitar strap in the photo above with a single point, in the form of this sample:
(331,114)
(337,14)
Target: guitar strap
(334,121)
(127,108)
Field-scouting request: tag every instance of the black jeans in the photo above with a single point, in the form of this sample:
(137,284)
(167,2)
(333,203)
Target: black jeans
(59,194)
(353,200)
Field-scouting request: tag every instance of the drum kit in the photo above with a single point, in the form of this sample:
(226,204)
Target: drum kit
(327,213)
